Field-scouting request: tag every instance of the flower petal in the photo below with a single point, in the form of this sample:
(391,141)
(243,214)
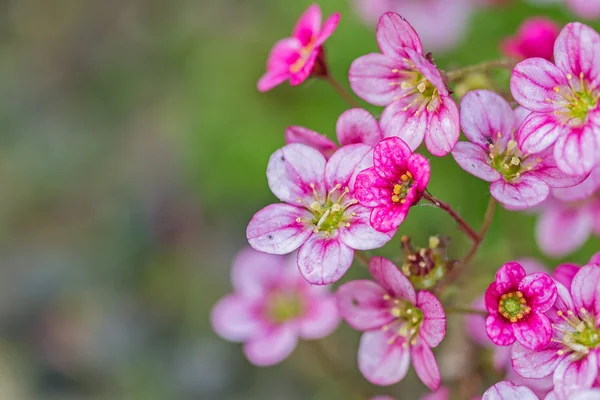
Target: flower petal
(474,159)
(298,134)
(382,363)
(345,164)
(395,34)
(362,306)
(388,218)
(405,124)
(577,52)
(585,289)
(499,330)
(586,394)
(564,273)
(533,81)
(539,131)
(571,376)
(390,157)
(372,79)
(371,190)
(321,318)
(253,272)
(235,318)
(271,79)
(390,278)
(540,291)
(358,126)
(534,332)
(328,28)
(526,192)
(578,152)
(561,229)
(485,114)
(433,327)
(425,365)
(420,169)
(275,229)
(293,169)
(360,235)
(273,347)
(507,391)
(284,53)
(581,191)
(443,130)
(475,324)
(508,276)
(533,363)
(564,303)
(324,260)
(308,25)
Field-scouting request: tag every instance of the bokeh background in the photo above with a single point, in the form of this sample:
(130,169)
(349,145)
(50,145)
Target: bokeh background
(133,151)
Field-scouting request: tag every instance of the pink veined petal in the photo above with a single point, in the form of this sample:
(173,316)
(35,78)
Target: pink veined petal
(271,79)
(328,28)
(420,169)
(425,365)
(284,53)
(484,114)
(571,376)
(577,51)
(390,278)
(562,229)
(585,289)
(539,131)
(581,191)
(372,79)
(273,347)
(499,330)
(253,272)
(564,273)
(526,192)
(520,114)
(507,391)
(563,303)
(444,129)
(578,152)
(548,171)
(388,218)
(324,260)
(533,363)
(589,9)
(371,190)
(321,318)
(474,159)
(275,229)
(390,157)
(358,126)
(362,306)
(533,332)
(360,235)
(345,164)
(540,291)
(411,128)
(234,318)
(533,81)
(492,297)
(586,394)
(293,169)
(509,276)
(395,35)
(433,327)
(299,134)
(379,362)
(308,25)
(540,387)
(429,71)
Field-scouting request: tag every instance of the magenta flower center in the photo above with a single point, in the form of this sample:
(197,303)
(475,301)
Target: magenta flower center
(510,161)
(513,306)
(329,213)
(408,319)
(401,189)
(578,99)
(303,56)
(420,93)
(282,306)
(578,335)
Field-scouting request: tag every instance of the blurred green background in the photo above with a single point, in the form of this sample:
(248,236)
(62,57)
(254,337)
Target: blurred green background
(133,152)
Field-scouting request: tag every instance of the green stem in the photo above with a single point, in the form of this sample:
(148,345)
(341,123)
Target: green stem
(362,257)
(344,94)
(461,222)
(459,73)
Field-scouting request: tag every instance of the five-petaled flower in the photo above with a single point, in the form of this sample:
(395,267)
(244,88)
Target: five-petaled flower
(563,98)
(518,179)
(294,58)
(399,323)
(271,307)
(516,303)
(395,182)
(320,214)
(402,78)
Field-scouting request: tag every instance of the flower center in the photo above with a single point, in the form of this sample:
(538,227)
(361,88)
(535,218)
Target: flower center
(283,306)
(401,189)
(425,267)
(513,306)
(414,86)
(510,162)
(580,98)
(304,53)
(408,319)
(579,335)
(329,214)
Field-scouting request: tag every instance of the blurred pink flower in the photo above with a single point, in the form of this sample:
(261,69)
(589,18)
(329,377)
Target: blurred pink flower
(398,323)
(507,391)
(402,78)
(293,58)
(443,393)
(534,38)
(271,307)
(395,183)
(320,214)
(587,9)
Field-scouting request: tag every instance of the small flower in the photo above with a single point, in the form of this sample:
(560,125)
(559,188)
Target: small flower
(426,266)
(353,126)
(563,98)
(588,9)
(396,182)
(572,355)
(402,78)
(294,58)
(507,391)
(398,324)
(535,38)
(516,303)
(271,307)
(518,179)
(569,217)
(320,215)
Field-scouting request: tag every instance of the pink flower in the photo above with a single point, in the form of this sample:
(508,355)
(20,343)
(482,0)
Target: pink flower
(535,38)
(569,217)
(443,393)
(320,214)
(398,324)
(402,78)
(588,9)
(353,126)
(519,179)
(507,391)
(396,182)
(516,303)
(572,355)
(293,58)
(565,273)
(563,98)
(271,307)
